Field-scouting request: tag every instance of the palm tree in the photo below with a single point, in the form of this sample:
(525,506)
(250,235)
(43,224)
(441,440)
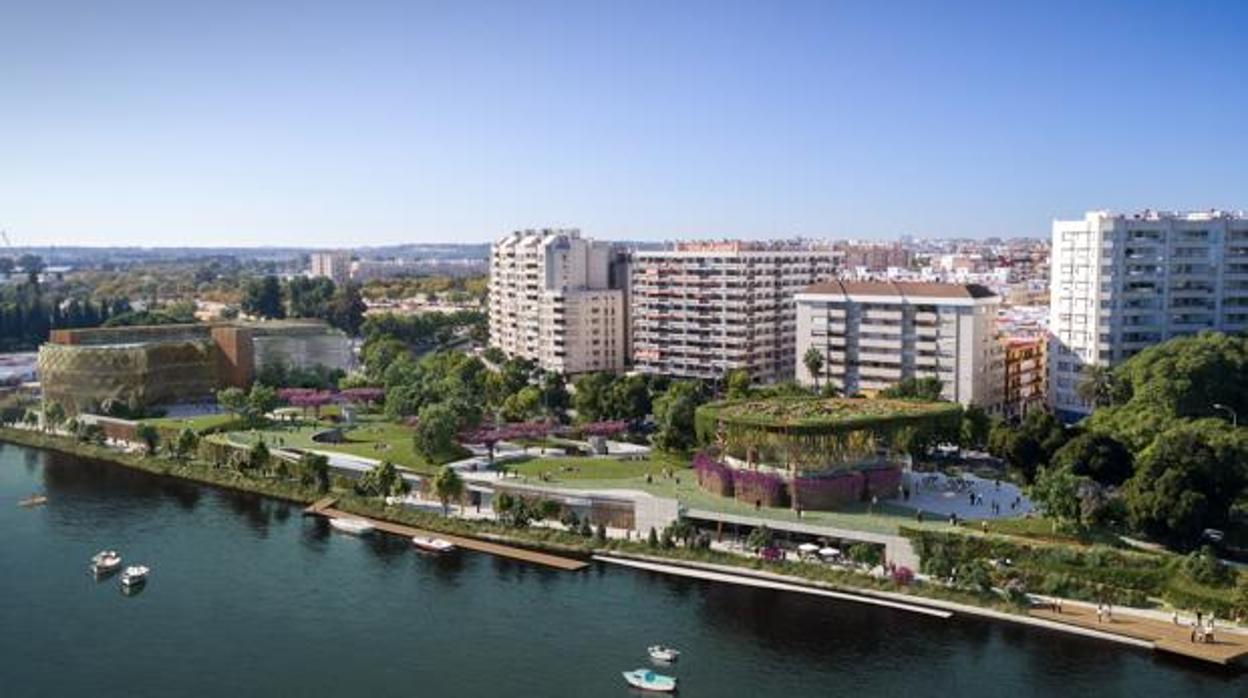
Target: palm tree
(813,359)
(447,485)
(1097,386)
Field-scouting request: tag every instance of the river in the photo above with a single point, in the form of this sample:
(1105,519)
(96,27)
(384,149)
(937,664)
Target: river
(249,598)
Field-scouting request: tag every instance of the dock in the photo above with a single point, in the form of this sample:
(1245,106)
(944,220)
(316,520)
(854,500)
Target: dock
(325,507)
(1228,648)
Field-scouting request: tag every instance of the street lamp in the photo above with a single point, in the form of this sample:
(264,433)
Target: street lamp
(1234,415)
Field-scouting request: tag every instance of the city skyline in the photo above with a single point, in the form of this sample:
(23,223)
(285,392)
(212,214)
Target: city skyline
(327,127)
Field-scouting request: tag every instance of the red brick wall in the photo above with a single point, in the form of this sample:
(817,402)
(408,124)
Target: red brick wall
(235,356)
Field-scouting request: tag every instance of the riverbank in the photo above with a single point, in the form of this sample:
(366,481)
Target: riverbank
(987,605)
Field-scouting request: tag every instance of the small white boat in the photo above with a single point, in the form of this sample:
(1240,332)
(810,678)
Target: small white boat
(134,575)
(647,680)
(433,545)
(356,527)
(33,500)
(105,562)
(659,653)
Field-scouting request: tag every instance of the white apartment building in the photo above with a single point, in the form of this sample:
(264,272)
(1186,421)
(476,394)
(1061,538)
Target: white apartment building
(1120,284)
(873,334)
(335,266)
(557,298)
(704,308)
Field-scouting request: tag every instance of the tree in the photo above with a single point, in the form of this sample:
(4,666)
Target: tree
(258,457)
(929,388)
(813,360)
(346,309)
(150,437)
(261,400)
(53,415)
(1187,480)
(263,298)
(309,297)
(234,401)
(674,413)
(186,444)
(737,384)
(975,427)
(314,471)
(1182,378)
(1097,386)
(447,485)
(1056,491)
(759,538)
(382,480)
(591,399)
(1098,456)
(629,398)
(435,431)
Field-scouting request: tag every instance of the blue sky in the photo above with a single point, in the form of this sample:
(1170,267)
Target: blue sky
(349,123)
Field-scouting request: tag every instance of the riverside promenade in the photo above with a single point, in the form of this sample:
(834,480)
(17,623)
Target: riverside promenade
(325,507)
(1230,646)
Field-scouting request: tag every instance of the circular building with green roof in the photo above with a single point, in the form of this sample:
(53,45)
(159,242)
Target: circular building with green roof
(815,453)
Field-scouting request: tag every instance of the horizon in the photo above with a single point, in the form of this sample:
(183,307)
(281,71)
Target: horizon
(319,126)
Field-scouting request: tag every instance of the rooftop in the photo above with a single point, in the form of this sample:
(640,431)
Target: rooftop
(824,413)
(903,289)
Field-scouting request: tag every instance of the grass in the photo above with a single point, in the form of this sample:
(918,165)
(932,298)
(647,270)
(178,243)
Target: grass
(603,474)
(1041,529)
(200,424)
(564,470)
(372,437)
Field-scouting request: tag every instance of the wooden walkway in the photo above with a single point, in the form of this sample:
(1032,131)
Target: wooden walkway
(1228,647)
(325,507)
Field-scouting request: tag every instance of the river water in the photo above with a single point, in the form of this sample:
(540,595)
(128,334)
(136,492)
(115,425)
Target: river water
(248,598)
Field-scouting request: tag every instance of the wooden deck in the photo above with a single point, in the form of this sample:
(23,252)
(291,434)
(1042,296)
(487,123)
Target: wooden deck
(1228,647)
(325,507)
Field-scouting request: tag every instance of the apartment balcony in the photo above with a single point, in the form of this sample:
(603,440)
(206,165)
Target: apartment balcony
(893,374)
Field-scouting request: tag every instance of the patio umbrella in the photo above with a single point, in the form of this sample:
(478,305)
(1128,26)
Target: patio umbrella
(829,552)
(808,547)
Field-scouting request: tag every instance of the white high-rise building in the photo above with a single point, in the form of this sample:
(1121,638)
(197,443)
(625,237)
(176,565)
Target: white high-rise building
(1120,284)
(335,266)
(874,334)
(558,299)
(704,308)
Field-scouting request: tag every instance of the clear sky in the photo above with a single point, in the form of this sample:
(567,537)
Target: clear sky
(350,123)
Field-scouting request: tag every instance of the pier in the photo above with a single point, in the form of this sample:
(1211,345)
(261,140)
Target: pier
(1229,646)
(325,507)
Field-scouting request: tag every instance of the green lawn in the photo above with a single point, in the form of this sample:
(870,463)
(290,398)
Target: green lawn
(373,437)
(562,470)
(197,424)
(603,474)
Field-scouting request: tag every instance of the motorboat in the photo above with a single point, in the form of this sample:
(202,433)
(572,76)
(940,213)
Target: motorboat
(33,500)
(433,545)
(356,527)
(134,575)
(647,680)
(105,562)
(659,653)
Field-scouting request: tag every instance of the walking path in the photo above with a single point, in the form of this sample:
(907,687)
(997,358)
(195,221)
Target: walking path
(762,583)
(1228,647)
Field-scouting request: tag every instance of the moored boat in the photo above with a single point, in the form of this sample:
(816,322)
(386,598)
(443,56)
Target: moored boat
(647,680)
(33,500)
(134,575)
(356,527)
(105,562)
(433,545)
(659,653)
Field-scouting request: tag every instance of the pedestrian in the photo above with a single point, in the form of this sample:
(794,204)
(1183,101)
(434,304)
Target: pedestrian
(1176,617)
(1099,613)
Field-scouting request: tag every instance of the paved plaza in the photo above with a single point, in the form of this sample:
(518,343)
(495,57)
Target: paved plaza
(968,496)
